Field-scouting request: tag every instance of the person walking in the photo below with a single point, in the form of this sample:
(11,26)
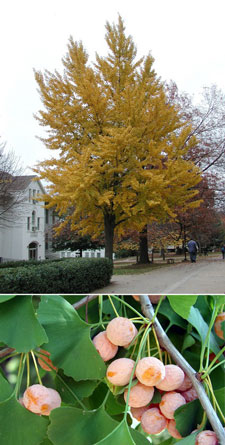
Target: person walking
(192,249)
(223,251)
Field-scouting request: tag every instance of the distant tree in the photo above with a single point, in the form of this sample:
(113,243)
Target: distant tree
(122,145)
(70,239)
(11,196)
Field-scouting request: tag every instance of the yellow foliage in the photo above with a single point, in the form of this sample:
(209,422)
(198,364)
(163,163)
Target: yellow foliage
(121,144)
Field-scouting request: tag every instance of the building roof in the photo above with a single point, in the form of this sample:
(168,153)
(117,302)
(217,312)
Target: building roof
(21,182)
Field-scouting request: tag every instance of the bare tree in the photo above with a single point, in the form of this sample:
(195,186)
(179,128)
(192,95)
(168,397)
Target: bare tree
(11,185)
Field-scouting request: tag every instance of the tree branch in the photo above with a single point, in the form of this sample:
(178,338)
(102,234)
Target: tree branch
(6,351)
(84,301)
(165,342)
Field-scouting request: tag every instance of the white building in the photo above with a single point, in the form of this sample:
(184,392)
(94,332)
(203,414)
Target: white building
(26,233)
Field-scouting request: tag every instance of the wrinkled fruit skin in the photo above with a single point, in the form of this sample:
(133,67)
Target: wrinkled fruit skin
(138,412)
(119,371)
(41,400)
(153,422)
(150,371)
(105,348)
(190,395)
(170,402)
(173,379)
(121,331)
(217,325)
(185,385)
(206,437)
(140,395)
(46,359)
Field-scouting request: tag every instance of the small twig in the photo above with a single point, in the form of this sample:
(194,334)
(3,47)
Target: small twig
(165,342)
(84,301)
(86,309)
(6,351)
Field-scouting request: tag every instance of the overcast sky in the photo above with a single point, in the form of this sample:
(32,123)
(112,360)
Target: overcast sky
(185,37)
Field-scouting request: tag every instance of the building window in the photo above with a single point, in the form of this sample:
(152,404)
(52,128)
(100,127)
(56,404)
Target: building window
(38,223)
(28,223)
(32,251)
(46,241)
(34,196)
(46,216)
(33,218)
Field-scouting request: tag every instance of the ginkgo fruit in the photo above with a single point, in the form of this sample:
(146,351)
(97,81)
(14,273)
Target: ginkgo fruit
(119,371)
(105,348)
(206,437)
(217,325)
(121,331)
(138,412)
(140,395)
(155,298)
(170,402)
(136,332)
(171,427)
(153,421)
(44,361)
(173,378)
(185,385)
(190,395)
(150,371)
(41,400)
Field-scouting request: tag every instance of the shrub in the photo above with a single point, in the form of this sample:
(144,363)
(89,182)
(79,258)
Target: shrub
(28,263)
(71,276)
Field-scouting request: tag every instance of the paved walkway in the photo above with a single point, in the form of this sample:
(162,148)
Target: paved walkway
(206,276)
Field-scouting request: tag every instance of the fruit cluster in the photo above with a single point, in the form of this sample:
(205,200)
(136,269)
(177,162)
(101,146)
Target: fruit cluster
(150,373)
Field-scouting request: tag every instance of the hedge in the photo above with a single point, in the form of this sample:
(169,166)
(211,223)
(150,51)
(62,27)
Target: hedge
(28,263)
(77,275)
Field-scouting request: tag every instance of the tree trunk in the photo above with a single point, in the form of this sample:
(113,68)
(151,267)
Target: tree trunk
(143,246)
(109,226)
(81,250)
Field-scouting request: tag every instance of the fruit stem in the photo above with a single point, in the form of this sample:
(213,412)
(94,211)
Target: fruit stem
(9,356)
(28,369)
(148,345)
(110,299)
(36,367)
(106,397)
(20,373)
(211,367)
(157,308)
(215,403)
(206,343)
(100,303)
(124,307)
(157,343)
(131,308)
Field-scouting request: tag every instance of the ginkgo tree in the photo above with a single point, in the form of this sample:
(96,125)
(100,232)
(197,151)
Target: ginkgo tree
(122,145)
(91,351)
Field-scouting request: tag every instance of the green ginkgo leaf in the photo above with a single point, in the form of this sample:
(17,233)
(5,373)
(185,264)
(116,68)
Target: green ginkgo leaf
(182,304)
(4,298)
(69,343)
(5,388)
(19,426)
(19,326)
(71,425)
(120,435)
